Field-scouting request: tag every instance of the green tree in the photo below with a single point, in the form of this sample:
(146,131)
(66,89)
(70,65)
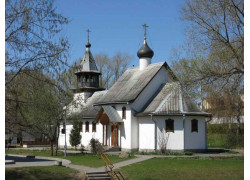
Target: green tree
(75,136)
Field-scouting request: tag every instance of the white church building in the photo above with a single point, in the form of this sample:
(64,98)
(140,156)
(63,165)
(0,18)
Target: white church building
(144,109)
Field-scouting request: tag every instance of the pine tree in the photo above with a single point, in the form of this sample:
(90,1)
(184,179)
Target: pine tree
(75,137)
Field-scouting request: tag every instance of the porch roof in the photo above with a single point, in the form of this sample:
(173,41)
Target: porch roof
(111,113)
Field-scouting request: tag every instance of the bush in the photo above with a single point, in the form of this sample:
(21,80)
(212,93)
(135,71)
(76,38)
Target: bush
(188,153)
(96,146)
(233,140)
(225,135)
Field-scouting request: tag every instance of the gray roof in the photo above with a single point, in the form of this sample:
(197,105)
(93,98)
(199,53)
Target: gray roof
(89,111)
(130,84)
(112,114)
(172,99)
(88,62)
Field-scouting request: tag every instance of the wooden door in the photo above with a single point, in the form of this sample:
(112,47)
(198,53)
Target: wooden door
(114,139)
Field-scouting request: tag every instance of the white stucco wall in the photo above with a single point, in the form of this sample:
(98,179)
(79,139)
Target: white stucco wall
(144,62)
(176,138)
(86,136)
(125,127)
(147,133)
(179,139)
(61,141)
(195,140)
(161,77)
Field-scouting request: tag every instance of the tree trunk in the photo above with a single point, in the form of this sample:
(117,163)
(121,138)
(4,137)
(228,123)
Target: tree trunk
(51,148)
(57,137)
(238,125)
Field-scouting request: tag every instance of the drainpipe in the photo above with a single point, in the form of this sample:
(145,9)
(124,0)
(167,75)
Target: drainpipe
(184,118)
(151,115)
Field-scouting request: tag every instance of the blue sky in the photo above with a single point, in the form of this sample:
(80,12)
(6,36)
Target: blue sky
(117,26)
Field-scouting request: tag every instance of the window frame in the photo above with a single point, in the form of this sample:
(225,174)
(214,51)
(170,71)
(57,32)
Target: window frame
(80,126)
(194,122)
(171,125)
(124,112)
(86,126)
(93,127)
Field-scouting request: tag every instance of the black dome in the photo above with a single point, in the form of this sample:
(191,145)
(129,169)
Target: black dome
(88,45)
(145,51)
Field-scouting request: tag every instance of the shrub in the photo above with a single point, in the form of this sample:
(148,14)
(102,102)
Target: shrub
(96,146)
(188,153)
(75,136)
(233,140)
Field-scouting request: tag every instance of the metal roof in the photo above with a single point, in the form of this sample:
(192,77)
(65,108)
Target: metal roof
(89,111)
(88,62)
(112,114)
(130,84)
(172,99)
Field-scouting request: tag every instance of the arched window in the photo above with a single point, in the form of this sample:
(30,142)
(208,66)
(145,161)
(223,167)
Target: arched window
(63,128)
(87,126)
(194,125)
(123,112)
(93,127)
(80,126)
(169,125)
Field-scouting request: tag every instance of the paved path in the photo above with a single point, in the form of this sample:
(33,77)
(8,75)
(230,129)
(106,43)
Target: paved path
(47,161)
(22,161)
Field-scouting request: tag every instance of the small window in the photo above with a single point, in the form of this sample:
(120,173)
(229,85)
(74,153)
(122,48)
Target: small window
(93,127)
(169,125)
(87,126)
(194,127)
(80,126)
(123,112)
(63,128)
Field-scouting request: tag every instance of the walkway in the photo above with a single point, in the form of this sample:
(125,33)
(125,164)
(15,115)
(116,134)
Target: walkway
(47,161)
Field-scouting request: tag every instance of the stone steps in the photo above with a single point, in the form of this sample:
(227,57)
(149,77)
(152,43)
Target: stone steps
(98,175)
(10,162)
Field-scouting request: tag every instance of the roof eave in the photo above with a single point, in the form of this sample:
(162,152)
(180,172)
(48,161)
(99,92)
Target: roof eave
(175,114)
(111,103)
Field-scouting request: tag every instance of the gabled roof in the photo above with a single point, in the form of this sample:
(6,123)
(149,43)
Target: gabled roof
(172,99)
(130,84)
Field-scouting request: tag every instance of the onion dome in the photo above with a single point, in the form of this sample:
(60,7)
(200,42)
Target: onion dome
(145,51)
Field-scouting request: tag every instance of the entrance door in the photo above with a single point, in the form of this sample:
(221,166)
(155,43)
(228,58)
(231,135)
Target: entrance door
(114,139)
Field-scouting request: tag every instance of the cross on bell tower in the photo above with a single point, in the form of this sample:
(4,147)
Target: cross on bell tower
(88,74)
(88,31)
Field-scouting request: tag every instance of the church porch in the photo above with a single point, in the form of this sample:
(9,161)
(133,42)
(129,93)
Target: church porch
(111,131)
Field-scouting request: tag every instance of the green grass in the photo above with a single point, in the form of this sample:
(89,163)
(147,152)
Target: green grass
(186,169)
(35,173)
(216,140)
(78,159)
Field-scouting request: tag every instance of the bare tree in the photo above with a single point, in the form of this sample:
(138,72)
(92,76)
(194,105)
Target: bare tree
(104,66)
(32,29)
(120,62)
(112,68)
(163,140)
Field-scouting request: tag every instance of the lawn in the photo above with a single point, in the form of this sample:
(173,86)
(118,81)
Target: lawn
(186,169)
(78,159)
(49,172)
(216,140)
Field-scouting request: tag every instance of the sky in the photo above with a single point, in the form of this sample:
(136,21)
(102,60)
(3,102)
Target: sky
(116,26)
